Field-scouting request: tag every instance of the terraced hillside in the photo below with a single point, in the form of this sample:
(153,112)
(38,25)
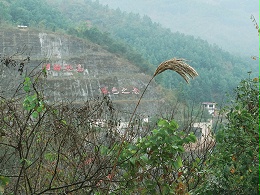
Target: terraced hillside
(77,70)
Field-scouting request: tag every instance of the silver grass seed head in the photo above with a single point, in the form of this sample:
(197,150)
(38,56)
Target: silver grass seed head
(178,65)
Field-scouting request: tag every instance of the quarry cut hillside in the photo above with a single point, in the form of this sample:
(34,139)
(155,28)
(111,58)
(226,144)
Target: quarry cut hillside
(77,70)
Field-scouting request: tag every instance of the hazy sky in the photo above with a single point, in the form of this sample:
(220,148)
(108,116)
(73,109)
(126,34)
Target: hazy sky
(224,22)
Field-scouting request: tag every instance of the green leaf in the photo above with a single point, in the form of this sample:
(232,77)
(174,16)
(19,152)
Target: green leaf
(178,163)
(181,149)
(132,161)
(144,158)
(4,180)
(175,147)
(26,88)
(28,162)
(55,112)
(35,114)
(27,79)
(174,125)
(50,156)
(103,150)
(192,137)
(155,131)
(162,123)
(39,109)
(133,151)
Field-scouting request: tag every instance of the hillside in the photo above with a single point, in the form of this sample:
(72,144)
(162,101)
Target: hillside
(140,40)
(78,70)
(157,44)
(216,21)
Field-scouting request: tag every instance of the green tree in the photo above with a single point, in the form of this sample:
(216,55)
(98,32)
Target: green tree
(233,167)
(4,13)
(153,165)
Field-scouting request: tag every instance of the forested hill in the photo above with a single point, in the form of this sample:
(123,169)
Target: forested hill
(138,39)
(219,71)
(213,20)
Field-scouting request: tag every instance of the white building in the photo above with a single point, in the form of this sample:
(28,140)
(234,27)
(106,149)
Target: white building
(22,27)
(210,106)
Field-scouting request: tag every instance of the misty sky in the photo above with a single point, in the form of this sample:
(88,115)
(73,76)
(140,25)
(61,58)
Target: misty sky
(224,22)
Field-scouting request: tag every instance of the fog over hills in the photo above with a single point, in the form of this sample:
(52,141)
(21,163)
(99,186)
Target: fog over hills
(225,23)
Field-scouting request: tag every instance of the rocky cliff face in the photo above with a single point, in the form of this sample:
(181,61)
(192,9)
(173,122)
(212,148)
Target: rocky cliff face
(79,70)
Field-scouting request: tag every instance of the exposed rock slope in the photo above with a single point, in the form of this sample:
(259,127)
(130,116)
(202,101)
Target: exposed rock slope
(79,70)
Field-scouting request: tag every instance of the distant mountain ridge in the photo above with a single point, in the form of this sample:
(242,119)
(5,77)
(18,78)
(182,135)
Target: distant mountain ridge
(226,23)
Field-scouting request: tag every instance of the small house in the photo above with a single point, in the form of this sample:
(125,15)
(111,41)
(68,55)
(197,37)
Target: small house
(22,27)
(210,106)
